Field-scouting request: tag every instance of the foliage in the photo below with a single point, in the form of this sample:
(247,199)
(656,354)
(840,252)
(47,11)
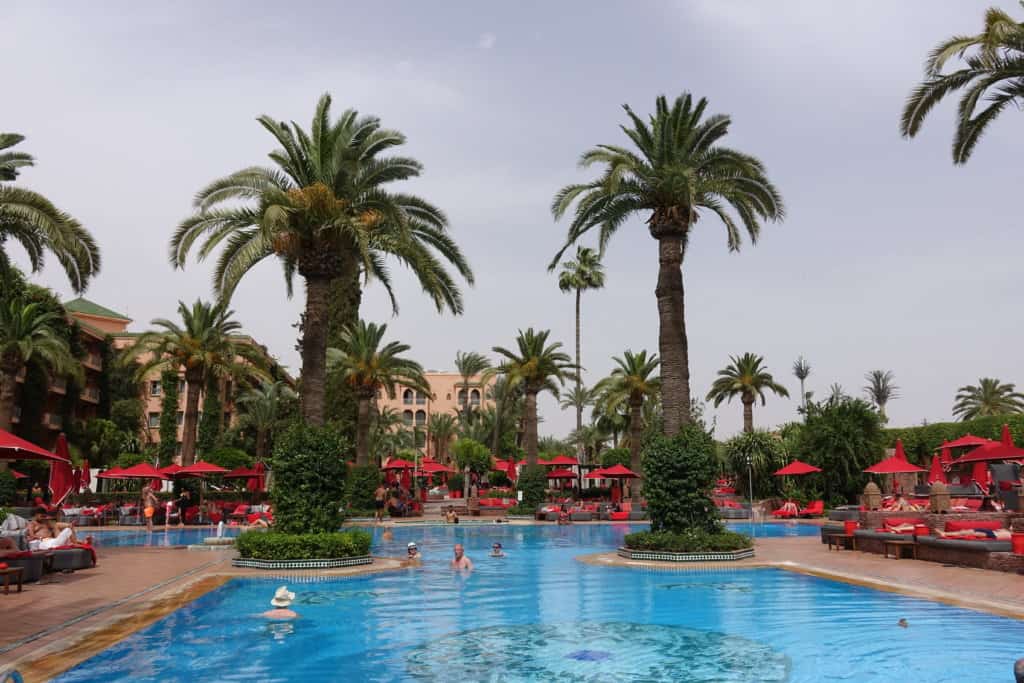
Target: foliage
(125,460)
(921,443)
(210,420)
(688,541)
(168,446)
(127,414)
(765,453)
(746,377)
(442,429)
(989,397)
(499,480)
(551,444)
(263,410)
(990,74)
(362,482)
(8,488)
(521,509)
(279,545)
(456,482)
(31,220)
(230,458)
(472,454)
(470,364)
(615,456)
(802,370)
(533,482)
(104,441)
(309,479)
(880,390)
(27,331)
(679,475)
(842,436)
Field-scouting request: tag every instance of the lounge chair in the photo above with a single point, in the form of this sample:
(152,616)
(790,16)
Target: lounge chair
(783,513)
(814,509)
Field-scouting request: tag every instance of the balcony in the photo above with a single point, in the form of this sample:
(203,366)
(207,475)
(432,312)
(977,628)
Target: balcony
(53,421)
(16,417)
(93,361)
(90,394)
(58,386)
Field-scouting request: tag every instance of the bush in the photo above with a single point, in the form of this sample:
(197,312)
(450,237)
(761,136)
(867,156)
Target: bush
(456,482)
(615,456)
(362,482)
(126,460)
(499,480)
(8,488)
(690,541)
(521,509)
(920,442)
(229,458)
(309,479)
(276,545)
(533,482)
(766,456)
(472,454)
(679,475)
(127,415)
(842,437)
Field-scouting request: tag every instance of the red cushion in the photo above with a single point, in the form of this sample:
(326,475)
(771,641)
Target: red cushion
(618,516)
(966,524)
(900,521)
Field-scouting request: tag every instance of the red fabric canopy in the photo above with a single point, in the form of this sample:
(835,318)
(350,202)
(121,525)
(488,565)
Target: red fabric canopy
(18,475)
(980,474)
(200,468)
(62,477)
(994,450)
(15,448)
(563,461)
(240,473)
(398,464)
(967,441)
(112,473)
(171,469)
(561,474)
(900,453)
(893,465)
(796,468)
(434,468)
(935,473)
(946,457)
(617,471)
(141,471)
(1005,437)
(596,474)
(86,476)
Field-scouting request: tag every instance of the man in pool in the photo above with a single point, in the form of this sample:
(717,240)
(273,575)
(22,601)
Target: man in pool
(281,602)
(496,550)
(412,556)
(460,561)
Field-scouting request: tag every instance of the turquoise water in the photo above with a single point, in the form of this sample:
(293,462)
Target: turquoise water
(539,615)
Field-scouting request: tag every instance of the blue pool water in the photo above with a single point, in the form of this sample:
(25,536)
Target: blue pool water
(157,537)
(539,615)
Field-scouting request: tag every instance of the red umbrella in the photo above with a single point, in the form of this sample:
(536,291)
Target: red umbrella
(935,473)
(18,475)
(561,474)
(1006,439)
(619,471)
(171,469)
(201,468)
(563,461)
(596,474)
(900,453)
(967,441)
(406,479)
(946,458)
(796,468)
(240,473)
(86,477)
(992,451)
(980,474)
(62,477)
(15,448)
(141,471)
(435,468)
(112,473)
(261,476)
(893,465)
(398,464)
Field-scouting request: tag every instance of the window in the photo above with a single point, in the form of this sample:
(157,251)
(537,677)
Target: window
(421,418)
(154,387)
(407,418)
(154,420)
(407,397)
(474,398)
(462,397)
(181,418)
(448,397)
(420,398)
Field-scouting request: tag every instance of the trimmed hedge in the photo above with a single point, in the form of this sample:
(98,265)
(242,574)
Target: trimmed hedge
(920,442)
(274,545)
(691,541)
(533,482)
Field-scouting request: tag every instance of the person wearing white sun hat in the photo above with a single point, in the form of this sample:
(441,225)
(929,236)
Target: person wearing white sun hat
(281,601)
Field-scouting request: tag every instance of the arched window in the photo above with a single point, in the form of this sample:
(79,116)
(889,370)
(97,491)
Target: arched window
(462,397)
(474,398)
(420,398)
(407,397)
(407,418)
(421,418)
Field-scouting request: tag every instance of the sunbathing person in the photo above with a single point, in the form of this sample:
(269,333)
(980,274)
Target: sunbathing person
(44,533)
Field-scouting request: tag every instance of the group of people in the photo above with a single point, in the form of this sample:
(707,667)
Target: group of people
(396,500)
(172,508)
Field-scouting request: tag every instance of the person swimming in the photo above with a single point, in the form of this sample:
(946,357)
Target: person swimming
(281,602)
(460,561)
(497,550)
(413,558)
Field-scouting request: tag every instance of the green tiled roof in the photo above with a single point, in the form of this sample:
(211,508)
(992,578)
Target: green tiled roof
(86,307)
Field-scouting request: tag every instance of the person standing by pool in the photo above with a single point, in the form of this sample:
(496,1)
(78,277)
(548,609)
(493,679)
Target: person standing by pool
(460,561)
(380,496)
(281,602)
(183,503)
(149,504)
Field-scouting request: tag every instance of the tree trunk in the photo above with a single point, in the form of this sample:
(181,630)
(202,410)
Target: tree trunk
(803,398)
(343,310)
(261,444)
(193,385)
(748,413)
(579,378)
(496,437)
(363,431)
(8,387)
(675,366)
(314,349)
(635,429)
(530,427)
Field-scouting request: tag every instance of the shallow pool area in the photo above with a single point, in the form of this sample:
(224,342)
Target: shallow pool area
(540,615)
(157,537)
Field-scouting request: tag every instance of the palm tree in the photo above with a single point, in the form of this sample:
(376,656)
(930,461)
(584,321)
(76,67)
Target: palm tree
(204,347)
(993,62)
(591,438)
(469,365)
(507,409)
(537,366)
(633,380)
(27,333)
(586,272)
(802,370)
(261,409)
(989,397)
(32,221)
(746,377)
(368,365)
(579,397)
(442,430)
(326,213)
(679,174)
(880,390)
(389,434)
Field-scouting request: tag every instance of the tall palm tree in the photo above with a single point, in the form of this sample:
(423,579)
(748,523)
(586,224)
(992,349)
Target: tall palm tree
(880,390)
(389,434)
(469,365)
(586,272)
(508,400)
(537,366)
(261,409)
(368,365)
(26,334)
(836,392)
(442,429)
(633,380)
(32,221)
(678,174)
(591,438)
(802,370)
(993,64)
(203,345)
(579,397)
(326,212)
(989,397)
(746,377)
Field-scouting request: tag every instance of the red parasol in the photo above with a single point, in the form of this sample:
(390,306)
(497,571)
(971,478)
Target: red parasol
(893,465)
(201,468)
(171,470)
(86,476)
(406,479)
(992,451)
(561,474)
(261,475)
(1005,437)
(62,477)
(15,448)
(18,475)
(141,471)
(946,457)
(980,474)
(398,464)
(563,461)
(935,473)
(900,453)
(240,473)
(796,468)
(435,468)
(596,474)
(967,441)
(112,473)
(619,472)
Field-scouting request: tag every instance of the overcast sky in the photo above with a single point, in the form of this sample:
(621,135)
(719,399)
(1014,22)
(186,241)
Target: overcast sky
(889,258)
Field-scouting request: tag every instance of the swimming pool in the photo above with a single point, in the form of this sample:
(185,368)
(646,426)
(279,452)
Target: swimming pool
(157,537)
(538,615)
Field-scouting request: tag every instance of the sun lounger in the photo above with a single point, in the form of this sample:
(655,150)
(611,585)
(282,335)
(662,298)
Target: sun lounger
(581,516)
(814,509)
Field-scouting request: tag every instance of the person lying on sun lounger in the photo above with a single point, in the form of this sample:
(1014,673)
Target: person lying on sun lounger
(44,533)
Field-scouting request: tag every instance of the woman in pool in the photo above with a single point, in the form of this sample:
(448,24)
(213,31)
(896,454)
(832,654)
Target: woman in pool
(497,551)
(281,601)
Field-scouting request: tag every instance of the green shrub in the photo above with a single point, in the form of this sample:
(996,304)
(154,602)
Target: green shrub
(533,482)
(472,454)
(168,416)
(615,456)
(679,475)
(456,482)
(766,456)
(229,458)
(8,488)
(499,480)
(521,509)
(921,442)
(276,545)
(689,541)
(309,479)
(127,414)
(842,437)
(209,421)
(362,482)
(126,460)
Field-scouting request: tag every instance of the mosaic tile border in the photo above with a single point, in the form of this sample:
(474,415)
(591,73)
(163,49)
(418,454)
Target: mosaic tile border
(331,563)
(665,556)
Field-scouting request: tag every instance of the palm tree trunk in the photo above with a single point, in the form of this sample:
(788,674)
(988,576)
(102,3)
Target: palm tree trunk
(579,378)
(748,414)
(530,428)
(635,428)
(363,431)
(314,349)
(193,385)
(675,365)
(261,444)
(496,437)
(8,388)
(803,398)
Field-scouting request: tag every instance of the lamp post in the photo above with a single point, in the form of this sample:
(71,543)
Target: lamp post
(750,483)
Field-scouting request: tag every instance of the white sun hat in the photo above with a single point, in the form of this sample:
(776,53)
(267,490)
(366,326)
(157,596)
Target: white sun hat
(411,545)
(282,597)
